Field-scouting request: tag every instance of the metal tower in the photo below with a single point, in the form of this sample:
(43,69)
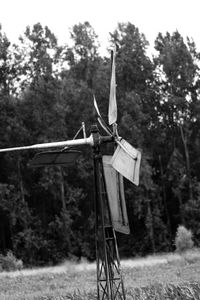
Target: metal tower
(109,277)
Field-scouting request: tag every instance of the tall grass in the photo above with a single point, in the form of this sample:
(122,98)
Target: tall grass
(187,291)
(169,277)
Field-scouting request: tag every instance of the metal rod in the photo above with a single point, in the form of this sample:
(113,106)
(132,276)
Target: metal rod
(85,141)
(84,132)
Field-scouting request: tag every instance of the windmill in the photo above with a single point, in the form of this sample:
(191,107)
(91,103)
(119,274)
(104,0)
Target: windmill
(110,206)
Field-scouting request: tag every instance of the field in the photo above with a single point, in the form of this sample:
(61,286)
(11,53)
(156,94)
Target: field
(169,277)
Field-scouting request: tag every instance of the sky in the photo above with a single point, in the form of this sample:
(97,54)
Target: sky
(150,16)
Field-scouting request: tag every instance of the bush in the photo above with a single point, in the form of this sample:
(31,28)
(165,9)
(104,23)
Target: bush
(10,262)
(183,239)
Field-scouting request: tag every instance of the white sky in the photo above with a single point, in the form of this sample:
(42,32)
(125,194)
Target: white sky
(150,16)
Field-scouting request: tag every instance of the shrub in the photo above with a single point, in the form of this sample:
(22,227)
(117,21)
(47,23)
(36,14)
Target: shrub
(10,263)
(183,239)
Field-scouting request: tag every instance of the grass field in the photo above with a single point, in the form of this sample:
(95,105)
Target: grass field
(156,277)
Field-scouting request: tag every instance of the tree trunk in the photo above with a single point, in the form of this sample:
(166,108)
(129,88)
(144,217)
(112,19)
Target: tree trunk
(21,185)
(181,207)
(187,157)
(165,201)
(150,223)
(62,190)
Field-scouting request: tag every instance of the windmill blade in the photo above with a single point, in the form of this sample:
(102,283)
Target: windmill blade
(116,197)
(126,160)
(126,149)
(112,111)
(100,119)
(96,106)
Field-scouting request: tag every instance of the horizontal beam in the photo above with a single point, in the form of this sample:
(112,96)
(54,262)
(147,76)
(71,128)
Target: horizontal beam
(78,142)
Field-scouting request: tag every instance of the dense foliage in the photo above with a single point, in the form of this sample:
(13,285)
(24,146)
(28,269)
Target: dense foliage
(46,91)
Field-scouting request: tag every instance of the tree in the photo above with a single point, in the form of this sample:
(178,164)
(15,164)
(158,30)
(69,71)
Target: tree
(177,84)
(9,64)
(40,53)
(83,55)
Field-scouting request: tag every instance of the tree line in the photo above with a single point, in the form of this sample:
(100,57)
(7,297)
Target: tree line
(46,91)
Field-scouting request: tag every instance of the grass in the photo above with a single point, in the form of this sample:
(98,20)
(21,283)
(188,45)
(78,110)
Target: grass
(161,277)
